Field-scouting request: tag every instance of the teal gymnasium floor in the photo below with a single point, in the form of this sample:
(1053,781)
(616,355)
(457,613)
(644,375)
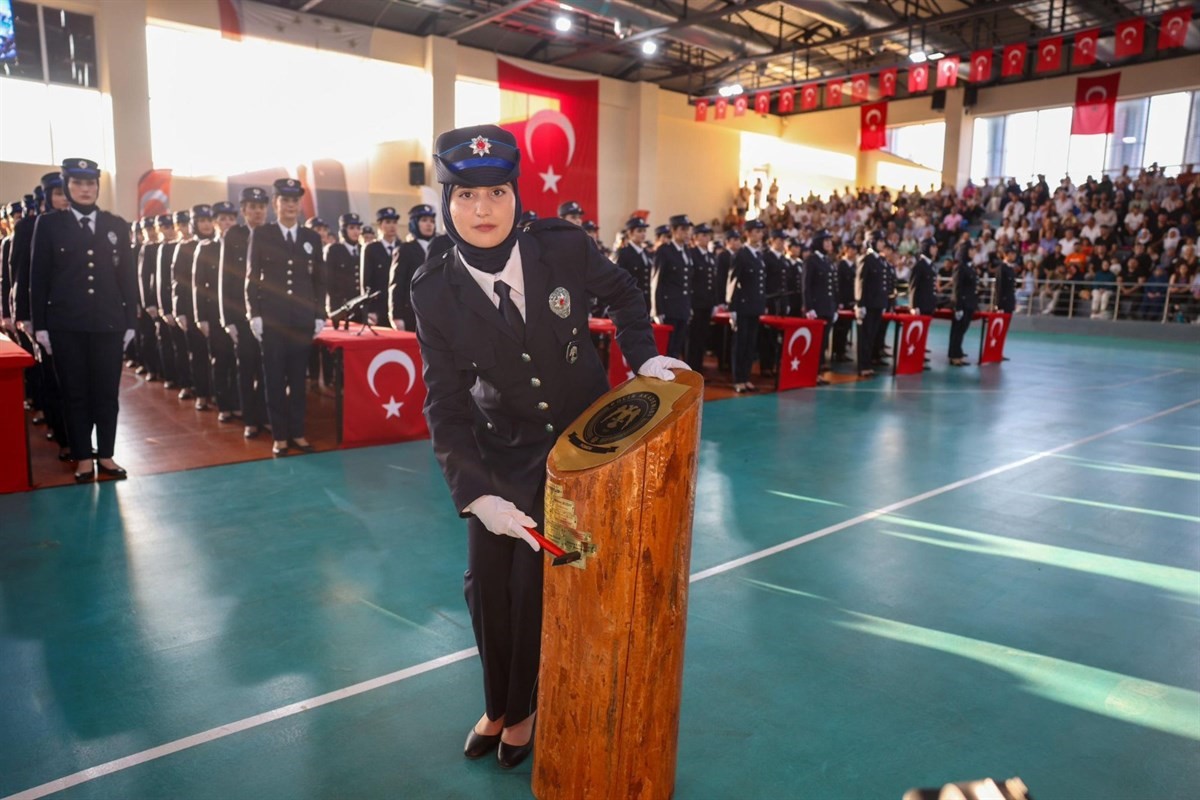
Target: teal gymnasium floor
(977,572)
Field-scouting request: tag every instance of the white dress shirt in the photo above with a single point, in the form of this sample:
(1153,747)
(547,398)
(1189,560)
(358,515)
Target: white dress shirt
(91,218)
(294,231)
(512,274)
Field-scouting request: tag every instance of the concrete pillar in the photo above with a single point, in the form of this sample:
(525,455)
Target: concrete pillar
(960,130)
(121,53)
(441,63)
(646,162)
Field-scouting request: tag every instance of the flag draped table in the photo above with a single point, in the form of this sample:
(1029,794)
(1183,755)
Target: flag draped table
(618,367)
(800,355)
(15,471)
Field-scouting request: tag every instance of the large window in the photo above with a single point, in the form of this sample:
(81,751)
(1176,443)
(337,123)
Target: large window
(921,144)
(1162,129)
(278,105)
(798,168)
(69,54)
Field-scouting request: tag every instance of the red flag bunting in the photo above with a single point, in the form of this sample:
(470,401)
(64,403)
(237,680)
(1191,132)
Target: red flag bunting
(887,82)
(1084,54)
(873,127)
(230,14)
(808,96)
(981,66)
(1173,28)
(1130,38)
(722,105)
(947,72)
(787,100)
(860,87)
(1013,64)
(918,78)
(833,94)
(701,110)
(1095,100)
(762,103)
(559,148)
(739,105)
(154,193)
(1050,54)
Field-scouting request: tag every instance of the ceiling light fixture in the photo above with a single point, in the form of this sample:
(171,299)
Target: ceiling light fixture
(917,57)
(936,56)
(731,90)
(562,23)
(649,47)
(1129,140)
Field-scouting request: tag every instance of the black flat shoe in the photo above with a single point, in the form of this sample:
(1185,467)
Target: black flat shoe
(278,451)
(225,416)
(38,420)
(83,477)
(306,448)
(65,455)
(251,432)
(510,755)
(479,745)
(113,472)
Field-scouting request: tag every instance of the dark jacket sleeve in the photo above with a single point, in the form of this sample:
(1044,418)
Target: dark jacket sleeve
(41,264)
(617,289)
(407,260)
(127,278)
(253,275)
(181,279)
(318,279)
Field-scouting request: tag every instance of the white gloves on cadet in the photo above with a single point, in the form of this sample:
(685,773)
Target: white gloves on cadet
(504,519)
(256,327)
(860,313)
(203,326)
(318,327)
(958,315)
(660,367)
(232,331)
(183,322)
(43,338)
(128,338)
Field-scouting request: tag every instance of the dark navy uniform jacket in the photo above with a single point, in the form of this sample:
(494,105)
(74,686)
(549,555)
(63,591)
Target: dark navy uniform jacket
(285,283)
(921,285)
(870,286)
(181,279)
(407,259)
(206,303)
(777,280)
(231,274)
(1006,287)
(747,289)
(707,290)
(341,274)
(81,282)
(639,265)
(147,263)
(495,404)
(845,276)
(820,286)
(5,278)
(965,287)
(164,258)
(671,283)
(19,254)
(374,269)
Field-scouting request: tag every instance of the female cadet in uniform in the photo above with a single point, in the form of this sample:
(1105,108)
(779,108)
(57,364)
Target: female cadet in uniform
(502,324)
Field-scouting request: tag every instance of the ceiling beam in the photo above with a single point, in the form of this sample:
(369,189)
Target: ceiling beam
(492,16)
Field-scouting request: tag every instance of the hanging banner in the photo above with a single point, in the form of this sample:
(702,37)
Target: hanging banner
(1013,64)
(918,78)
(808,96)
(833,94)
(860,87)
(762,103)
(154,193)
(1130,38)
(1095,104)
(787,100)
(1084,53)
(701,110)
(887,82)
(981,66)
(1050,54)
(873,127)
(947,72)
(1173,28)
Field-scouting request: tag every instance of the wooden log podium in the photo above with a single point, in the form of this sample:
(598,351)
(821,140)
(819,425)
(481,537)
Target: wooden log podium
(620,489)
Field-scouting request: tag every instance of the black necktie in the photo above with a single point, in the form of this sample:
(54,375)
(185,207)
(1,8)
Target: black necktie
(290,240)
(509,310)
(86,224)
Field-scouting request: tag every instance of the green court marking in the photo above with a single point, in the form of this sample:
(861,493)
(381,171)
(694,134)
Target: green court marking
(773,587)
(1172,446)
(816,500)
(1132,509)
(1133,469)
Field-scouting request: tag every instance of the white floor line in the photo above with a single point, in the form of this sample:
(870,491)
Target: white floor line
(222,731)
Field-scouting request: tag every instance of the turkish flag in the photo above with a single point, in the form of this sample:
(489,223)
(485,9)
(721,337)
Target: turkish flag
(619,370)
(800,356)
(918,78)
(701,110)
(1050,54)
(981,66)
(1095,101)
(787,100)
(559,142)
(995,331)
(382,389)
(913,333)
(739,105)
(1173,28)
(154,193)
(808,96)
(873,126)
(887,82)
(1130,37)
(833,94)
(230,15)
(1013,65)
(762,103)
(722,104)
(947,72)
(860,87)
(1084,54)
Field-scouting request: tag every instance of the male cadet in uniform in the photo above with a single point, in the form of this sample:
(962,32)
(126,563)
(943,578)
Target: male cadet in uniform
(747,293)
(341,264)
(285,300)
(206,305)
(733,243)
(572,212)
(376,265)
(83,295)
(870,301)
(707,294)
(634,257)
(964,287)
(887,252)
(794,261)
(820,290)
(231,282)
(671,283)
(322,229)
(847,267)
(662,236)
(165,326)
(1006,282)
(147,334)
(593,231)
(423,245)
(776,266)
(508,364)
(368,236)
(194,343)
(922,281)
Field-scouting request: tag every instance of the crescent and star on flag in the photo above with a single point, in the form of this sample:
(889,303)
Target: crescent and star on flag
(555,119)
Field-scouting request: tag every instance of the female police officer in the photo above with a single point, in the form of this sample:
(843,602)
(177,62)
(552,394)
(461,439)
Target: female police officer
(502,324)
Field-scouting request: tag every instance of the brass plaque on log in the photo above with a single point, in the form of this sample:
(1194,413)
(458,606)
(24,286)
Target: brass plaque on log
(562,526)
(618,425)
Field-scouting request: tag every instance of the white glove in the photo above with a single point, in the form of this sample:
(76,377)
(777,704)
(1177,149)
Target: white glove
(860,313)
(204,329)
(43,338)
(183,323)
(170,320)
(318,326)
(958,314)
(811,314)
(372,318)
(398,324)
(8,324)
(232,331)
(504,519)
(152,311)
(660,367)
(128,338)
(256,327)
(916,311)
(26,326)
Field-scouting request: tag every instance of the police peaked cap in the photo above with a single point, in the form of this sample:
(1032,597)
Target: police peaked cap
(481,155)
(570,207)
(387,212)
(367,229)
(39,193)
(166,220)
(254,194)
(147,223)
(636,222)
(590,226)
(316,222)
(662,230)
(529,216)
(703,227)
(349,219)
(51,180)
(202,211)
(80,168)
(224,207)
(31,203)
(182,218)
(16,208)
(680,221)
(422,210)
(756,225)
(288,187)
(733,233)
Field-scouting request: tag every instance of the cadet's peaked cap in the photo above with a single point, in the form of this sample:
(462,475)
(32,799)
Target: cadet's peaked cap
(165,220)
(636,222)
(482,155)
(51,180)
(387,212)
(570,207)
(182,217)
(39,193)
(80,168)
(202,211)
(316,222)
(680,220)
(590,226)
(31,203)
(733,233)
(662,230)
(254,194)
(756,225)
(704,227)
(528,216)
(367,229)
(349,219)
(16,208)
(147,223)
(422,210)
(224,207)
(288,187)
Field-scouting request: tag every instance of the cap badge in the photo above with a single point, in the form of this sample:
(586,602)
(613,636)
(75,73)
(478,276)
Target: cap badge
(480,146)
(82,164)
(560,302)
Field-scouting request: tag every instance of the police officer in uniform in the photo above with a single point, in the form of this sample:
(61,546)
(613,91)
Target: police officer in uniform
(635,257)
(206,305)
(870,301)
(194,343)
(231,283)
(423,245)
(707,294)
(341,264)
(83,295)
(820,291)
(572,212)
(846,273)
(376,265)
(747,294)
(165,328)
(888,254)
(1006,282)
(964,288)
(593,231)
(671,284)
(147,334)
(794,265)
(508,364)
(922,296)
(285,300)
(368,235)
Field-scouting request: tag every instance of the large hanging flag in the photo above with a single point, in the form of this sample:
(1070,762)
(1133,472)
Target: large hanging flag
(555,122)
(1084,54)
(1130,38)
(1050,54)
(887,82)
(918,78)
(947,72)
(1095,101)
(981,66)
(873,126)
(1013,63)
(1173,28)
(154,193)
